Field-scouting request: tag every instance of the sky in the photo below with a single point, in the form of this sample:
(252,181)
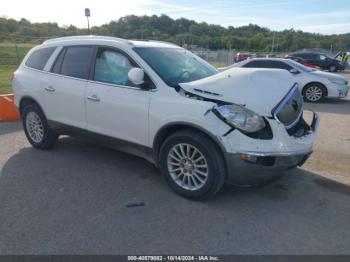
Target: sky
(319,16)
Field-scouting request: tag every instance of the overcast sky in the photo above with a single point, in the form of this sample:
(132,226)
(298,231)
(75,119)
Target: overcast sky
(321,16)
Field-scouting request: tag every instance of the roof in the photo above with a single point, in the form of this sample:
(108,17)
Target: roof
(267,58)
(92,38)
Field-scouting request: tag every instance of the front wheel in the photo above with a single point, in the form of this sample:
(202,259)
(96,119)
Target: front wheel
(314,93)
(36,128)
(192,164)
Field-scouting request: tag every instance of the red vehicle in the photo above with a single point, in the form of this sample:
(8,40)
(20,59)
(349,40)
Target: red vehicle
(302,61)
(241,56)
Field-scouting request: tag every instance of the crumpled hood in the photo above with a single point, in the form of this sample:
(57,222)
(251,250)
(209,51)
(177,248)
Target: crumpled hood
(258,89)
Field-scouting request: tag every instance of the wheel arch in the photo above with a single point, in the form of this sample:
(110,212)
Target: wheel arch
(169,129)
(318,83)
(28,100)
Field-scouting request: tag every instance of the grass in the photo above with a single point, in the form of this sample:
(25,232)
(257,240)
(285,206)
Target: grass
(218,64)
(5,78)
(9,62)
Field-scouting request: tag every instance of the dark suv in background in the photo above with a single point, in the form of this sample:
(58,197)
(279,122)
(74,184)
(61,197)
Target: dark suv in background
(321,60)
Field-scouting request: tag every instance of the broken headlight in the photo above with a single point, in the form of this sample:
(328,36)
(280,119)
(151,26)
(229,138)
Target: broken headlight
(240,117)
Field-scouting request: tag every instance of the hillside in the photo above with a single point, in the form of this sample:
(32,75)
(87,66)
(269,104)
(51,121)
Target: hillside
(180,31)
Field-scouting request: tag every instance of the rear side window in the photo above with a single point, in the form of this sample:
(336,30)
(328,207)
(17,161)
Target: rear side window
(301,55)
(39,58)
(278,65)
(256,64)
(268,64)
(309,56)
(76,62)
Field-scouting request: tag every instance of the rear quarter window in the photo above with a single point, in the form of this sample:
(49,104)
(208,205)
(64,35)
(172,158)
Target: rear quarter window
(39,58)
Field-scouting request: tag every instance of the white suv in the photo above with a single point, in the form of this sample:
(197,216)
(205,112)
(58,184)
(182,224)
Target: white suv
(156,100)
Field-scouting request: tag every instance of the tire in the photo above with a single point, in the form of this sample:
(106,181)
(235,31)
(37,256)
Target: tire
(201,182)
(314,93)
(333,68)
(36,128)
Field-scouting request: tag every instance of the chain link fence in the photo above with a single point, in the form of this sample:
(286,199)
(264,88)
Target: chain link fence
(12,52)
(219,58)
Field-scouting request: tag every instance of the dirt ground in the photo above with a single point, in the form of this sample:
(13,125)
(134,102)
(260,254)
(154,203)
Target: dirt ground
(84,199)
(331,156)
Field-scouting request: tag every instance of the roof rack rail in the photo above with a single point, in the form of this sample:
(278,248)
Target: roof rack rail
(86,37)
(164,42)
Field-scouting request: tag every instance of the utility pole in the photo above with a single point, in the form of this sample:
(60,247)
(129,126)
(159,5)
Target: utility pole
(273,42)
(87,14)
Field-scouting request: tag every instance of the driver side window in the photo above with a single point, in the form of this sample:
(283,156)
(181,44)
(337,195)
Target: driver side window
(322,57)
(112,67)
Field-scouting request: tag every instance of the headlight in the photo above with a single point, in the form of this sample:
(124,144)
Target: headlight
(241,118)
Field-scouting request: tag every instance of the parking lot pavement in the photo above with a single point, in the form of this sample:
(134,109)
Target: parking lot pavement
(83,199)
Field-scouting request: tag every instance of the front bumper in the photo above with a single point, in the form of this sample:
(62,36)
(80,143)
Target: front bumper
(256,167)
(253,169)
(337,90)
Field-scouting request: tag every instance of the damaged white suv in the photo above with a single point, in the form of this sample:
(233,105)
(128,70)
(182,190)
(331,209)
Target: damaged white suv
(159,101)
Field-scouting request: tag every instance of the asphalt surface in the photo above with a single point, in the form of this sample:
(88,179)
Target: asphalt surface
(83,199)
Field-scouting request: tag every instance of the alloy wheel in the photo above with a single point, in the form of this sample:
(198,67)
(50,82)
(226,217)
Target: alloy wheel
(34,127)
(314,93)
(187,166)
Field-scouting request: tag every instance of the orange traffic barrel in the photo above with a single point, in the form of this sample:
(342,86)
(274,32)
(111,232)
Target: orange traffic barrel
(8,111)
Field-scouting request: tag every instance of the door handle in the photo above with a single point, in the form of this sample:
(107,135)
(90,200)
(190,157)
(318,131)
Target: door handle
(50,89)
(94,98)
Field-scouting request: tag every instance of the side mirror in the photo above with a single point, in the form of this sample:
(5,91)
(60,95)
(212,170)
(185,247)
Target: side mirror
(136,76)
(294,71)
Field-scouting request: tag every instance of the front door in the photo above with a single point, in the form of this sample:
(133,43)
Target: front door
(114,106)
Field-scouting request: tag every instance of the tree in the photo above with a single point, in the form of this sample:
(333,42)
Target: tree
(181,31)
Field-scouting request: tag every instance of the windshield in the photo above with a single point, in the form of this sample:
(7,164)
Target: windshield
(299,66)
(176,65)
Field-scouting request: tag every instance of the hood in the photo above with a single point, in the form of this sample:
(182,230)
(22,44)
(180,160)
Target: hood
(258,89)
(328,75)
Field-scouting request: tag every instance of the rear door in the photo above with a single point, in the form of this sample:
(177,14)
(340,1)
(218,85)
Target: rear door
(313,59)
(65,86)
(299,76)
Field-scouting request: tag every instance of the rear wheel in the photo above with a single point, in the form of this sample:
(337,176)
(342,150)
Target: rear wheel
(192,164)
(36,128)
(314,93)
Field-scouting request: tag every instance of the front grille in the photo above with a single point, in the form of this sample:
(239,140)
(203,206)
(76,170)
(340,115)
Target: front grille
(289,110)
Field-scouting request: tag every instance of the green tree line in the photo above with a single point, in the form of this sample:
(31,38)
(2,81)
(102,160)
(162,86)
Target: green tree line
(181,31)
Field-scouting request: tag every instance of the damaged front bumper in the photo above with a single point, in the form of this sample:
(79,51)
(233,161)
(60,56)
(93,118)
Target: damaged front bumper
(256,167)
